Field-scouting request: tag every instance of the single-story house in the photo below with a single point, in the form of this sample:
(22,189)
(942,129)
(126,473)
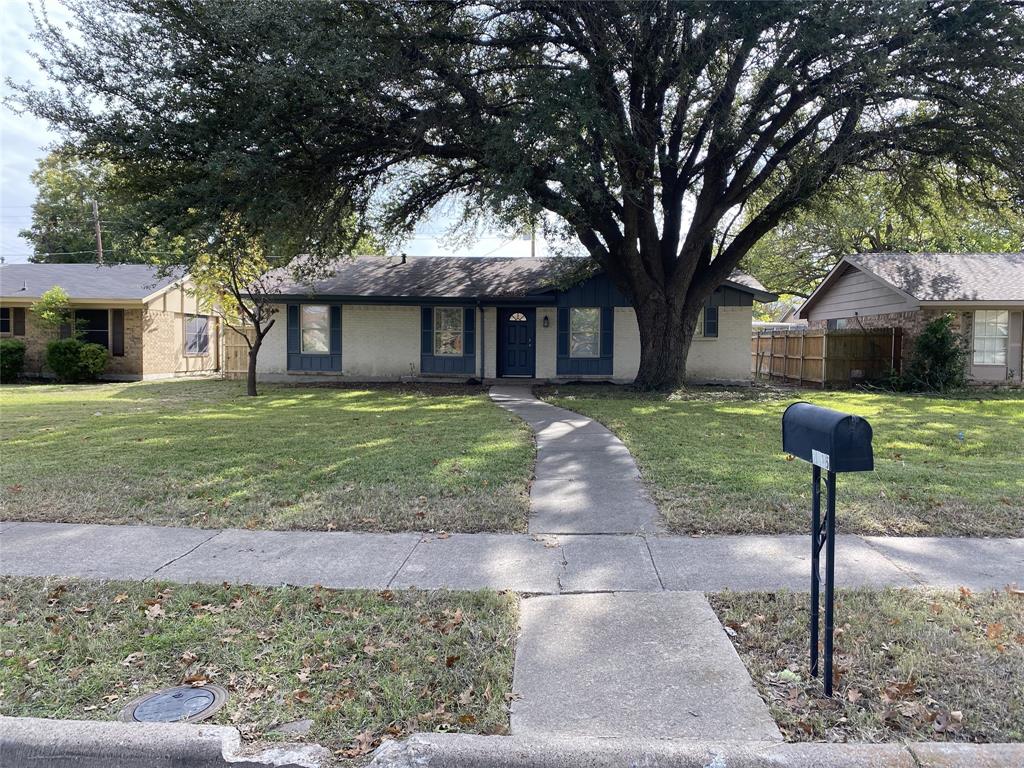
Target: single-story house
(380,318)
(983,291)
(150,322)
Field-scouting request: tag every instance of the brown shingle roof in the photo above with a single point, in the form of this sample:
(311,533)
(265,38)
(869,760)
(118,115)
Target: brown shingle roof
(949,276)
(454,277)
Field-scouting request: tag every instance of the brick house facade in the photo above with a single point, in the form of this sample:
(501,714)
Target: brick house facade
(984,294)
(153,326)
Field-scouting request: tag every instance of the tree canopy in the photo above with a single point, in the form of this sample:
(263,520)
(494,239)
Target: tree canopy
(643,128)
(923,210)
(63,225)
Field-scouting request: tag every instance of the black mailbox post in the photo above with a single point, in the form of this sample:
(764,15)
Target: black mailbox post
(836,442)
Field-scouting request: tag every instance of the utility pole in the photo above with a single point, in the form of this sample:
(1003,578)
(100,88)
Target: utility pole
(533,239)
(99,232)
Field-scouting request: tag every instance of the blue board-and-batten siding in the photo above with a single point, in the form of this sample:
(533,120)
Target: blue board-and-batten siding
(448,364)
(299,361)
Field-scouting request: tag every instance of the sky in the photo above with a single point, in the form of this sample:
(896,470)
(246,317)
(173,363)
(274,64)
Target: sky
(24,139)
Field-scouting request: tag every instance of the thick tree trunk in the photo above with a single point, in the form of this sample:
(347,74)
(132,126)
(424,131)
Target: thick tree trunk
(666,330)
(250,377)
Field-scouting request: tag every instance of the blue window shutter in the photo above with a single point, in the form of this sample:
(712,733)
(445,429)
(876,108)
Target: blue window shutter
(294,345)
(469,332)
(335,330)
(426,330)
(607,331)
(710,321)
(563,331)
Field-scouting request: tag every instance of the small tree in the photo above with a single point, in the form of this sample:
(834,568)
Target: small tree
(939,362)
(53,309)
(235,277)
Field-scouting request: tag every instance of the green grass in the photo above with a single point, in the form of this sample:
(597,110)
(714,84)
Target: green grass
(713,459)
(362,665)
(201,453)
(910,665)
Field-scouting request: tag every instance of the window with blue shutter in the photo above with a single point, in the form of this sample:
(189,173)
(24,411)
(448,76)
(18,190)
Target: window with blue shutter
(317,346)
(448,340)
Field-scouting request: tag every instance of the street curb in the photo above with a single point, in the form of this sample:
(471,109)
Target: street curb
(465,751)
(28,742)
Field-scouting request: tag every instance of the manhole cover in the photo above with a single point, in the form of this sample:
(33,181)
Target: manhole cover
(184,704)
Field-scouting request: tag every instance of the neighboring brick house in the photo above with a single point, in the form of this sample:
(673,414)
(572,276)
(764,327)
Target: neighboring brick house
(379,318)
(983,291)
(150,323)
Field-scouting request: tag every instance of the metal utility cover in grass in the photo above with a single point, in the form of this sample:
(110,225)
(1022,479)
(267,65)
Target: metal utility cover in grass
(183,704)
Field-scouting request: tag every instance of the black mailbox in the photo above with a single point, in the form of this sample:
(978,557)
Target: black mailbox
(832,440)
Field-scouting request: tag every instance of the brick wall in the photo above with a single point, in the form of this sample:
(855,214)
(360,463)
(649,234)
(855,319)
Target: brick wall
(163,337)
(37,337)
(912,324)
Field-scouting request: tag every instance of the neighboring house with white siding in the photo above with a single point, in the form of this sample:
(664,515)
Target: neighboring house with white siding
(150,322)
(983,291)
(380,318)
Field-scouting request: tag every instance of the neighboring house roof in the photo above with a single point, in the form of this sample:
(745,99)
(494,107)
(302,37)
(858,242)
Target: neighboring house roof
(84,282)
(937,278)
(453,277)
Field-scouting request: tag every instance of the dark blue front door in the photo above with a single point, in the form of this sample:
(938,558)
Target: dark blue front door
(517,331)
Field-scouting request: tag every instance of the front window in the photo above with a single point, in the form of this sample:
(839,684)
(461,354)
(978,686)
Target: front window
(94,326)
(991,334)
(316,327)
(5,320)
(197,335)
(585,332)
(448,331)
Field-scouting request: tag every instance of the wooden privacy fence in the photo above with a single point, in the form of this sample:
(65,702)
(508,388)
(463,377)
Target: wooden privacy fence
(836,358)
(236,352)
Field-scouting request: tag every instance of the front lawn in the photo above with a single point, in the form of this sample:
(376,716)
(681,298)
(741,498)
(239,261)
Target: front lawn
(910,665)
(944,466)
(361,665)
(201,453)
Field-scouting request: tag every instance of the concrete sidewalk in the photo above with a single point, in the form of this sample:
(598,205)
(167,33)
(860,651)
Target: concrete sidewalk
(519,562)
(585,480)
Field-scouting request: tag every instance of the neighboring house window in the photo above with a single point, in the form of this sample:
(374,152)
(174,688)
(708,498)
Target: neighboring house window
(94,325)
(315,323)
(991,335)
(585,332)
(710,322)
(5,320)
(197,335)
(448,331)
(837,324)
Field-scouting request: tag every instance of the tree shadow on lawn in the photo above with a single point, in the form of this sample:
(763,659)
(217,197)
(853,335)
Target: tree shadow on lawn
(943,465)
(275,460)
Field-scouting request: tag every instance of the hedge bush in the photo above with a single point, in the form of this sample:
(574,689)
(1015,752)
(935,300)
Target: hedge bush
(939,361)
(72,360)
(12,359)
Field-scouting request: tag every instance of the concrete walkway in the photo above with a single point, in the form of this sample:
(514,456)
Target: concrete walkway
(654,665)
(585,479)
(520,562)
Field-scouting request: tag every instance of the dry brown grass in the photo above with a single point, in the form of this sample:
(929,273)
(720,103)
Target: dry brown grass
(911,665)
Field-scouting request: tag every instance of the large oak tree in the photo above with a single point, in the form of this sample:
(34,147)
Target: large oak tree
(646,128)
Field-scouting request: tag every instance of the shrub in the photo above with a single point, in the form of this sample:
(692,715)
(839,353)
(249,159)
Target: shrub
(939,361)
(93,361)
(72,360)
(12,359)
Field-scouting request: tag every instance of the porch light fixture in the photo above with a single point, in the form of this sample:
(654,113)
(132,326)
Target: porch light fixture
(546,321)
